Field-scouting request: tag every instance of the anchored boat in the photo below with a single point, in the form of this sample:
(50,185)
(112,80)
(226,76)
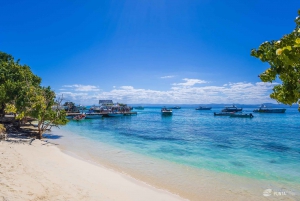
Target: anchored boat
(203,108)
(264,109)
(165,111)
(232,108)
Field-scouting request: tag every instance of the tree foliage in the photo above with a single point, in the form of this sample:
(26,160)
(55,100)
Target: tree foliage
(21,93)
(283,56)
(14,81)
(45,108)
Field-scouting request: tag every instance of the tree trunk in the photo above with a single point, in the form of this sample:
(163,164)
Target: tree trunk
(40,131)
(40,134)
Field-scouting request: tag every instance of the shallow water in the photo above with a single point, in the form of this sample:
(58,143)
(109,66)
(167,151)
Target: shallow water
(266,147)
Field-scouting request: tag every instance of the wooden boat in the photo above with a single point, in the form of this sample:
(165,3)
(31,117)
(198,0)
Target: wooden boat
(203,108)
(93,115)
(264,109)
(79,117)
(223,113)
(165,111)
(240,115)
(232,108)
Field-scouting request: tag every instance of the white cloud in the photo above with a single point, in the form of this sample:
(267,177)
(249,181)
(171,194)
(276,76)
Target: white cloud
(126,87)
(167,76)
(79,87)
(240,92)
(190,82)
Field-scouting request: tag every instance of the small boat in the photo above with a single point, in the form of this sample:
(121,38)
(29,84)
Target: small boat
(223,113)
(139,108)
(79,117)
(242,115)
(165,111)
(203,108)
(176,107)
(232,108)
(115,114)
(93,115)
(264,109)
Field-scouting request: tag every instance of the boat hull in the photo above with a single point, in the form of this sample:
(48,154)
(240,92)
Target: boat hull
(270,110)
(203,108)
(166,113)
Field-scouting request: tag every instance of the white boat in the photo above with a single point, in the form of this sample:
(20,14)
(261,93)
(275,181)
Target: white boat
(115,114)
(93,115)
(165,111)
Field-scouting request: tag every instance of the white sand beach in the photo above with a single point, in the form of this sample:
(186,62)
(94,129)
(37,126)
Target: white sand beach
(42,172)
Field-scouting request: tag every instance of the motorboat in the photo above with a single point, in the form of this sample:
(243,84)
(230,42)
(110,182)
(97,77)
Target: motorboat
(165,111)
(203,108)
(232,108)
(264,109)
(176,107)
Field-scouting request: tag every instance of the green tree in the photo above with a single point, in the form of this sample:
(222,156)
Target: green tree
(14,81)
(283,56)
(21,93)
(45,109)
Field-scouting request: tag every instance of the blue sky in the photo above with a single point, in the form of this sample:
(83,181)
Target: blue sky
(146,51)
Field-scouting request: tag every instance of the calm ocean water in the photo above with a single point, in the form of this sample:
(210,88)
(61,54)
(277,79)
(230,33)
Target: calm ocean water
(265,147)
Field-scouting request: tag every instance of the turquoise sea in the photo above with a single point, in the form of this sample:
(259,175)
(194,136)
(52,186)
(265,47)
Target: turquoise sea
(266,147)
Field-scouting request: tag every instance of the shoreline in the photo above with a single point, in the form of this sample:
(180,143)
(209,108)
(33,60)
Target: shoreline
(41,171)
(206,185)
(62,167)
